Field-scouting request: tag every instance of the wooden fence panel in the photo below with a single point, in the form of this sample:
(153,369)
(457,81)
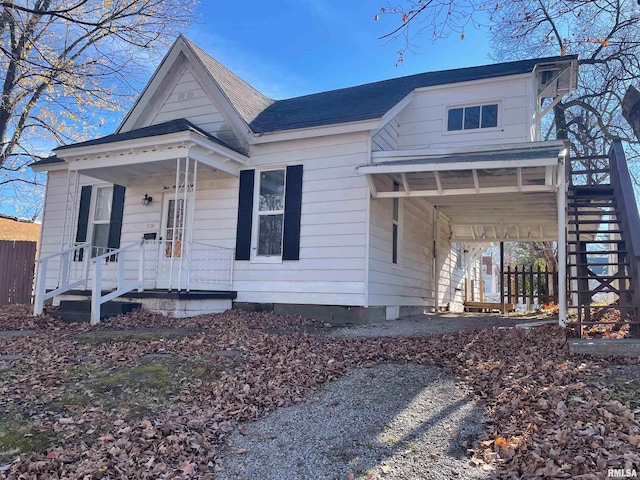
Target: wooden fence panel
(17,264)
(528,284)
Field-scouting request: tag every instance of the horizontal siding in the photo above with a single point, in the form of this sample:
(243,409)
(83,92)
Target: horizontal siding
(410,283)
(53,219)
(331,269)
(450,279)
(189,100)
(422,124)
(387,138)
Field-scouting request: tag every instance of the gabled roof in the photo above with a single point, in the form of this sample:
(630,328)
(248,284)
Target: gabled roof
(246,100)
(373,100)
(172,126)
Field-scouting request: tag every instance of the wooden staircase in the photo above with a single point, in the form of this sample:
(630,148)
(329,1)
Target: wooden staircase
(601,249)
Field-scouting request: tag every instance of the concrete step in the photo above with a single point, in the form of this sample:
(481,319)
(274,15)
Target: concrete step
(80,310)
(604,347)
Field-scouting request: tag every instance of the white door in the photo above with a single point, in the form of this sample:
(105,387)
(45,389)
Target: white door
(172,259)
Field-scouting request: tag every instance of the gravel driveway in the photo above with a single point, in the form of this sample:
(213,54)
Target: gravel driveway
(419,325)
(405,422)
(390,421)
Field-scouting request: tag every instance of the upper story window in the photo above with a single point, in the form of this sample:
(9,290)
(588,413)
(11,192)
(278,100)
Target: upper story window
(472,117)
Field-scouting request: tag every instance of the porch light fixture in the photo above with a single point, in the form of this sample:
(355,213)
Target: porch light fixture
(146,200)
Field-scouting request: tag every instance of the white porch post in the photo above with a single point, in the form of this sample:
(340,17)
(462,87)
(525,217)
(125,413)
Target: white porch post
(562,242)
(191,221)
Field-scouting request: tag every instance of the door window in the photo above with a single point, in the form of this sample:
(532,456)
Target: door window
(174,228)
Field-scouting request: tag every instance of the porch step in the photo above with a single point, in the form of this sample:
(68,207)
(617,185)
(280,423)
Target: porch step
(74,311)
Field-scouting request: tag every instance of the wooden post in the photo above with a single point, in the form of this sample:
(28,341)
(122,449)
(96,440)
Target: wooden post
(530,284)
(510,284)
(502,308)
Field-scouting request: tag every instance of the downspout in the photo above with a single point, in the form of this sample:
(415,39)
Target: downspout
(434,261)
(562,241)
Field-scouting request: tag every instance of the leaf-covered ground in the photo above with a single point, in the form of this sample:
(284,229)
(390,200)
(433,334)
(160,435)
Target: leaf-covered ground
(145,396)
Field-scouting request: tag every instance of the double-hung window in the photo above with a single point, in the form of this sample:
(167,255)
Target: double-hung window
(472,117)
(270,212)
(101,220)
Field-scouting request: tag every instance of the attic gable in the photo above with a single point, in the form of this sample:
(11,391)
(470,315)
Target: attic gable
(191,85)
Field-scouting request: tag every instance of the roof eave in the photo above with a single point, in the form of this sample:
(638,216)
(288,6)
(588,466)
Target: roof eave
(317,131)
(149,143)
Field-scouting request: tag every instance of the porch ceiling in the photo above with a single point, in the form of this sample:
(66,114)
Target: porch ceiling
(501,195)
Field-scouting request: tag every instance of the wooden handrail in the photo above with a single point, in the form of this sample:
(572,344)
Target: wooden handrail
(625,196)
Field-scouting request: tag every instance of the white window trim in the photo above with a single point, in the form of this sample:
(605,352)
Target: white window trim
(497,128)
(92,211)
(255,222)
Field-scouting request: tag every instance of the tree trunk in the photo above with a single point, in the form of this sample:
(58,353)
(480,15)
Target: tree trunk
(631,109)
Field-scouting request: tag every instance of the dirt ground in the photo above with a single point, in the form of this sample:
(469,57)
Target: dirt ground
(147,396)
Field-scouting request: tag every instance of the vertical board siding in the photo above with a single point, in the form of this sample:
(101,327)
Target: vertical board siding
(410,283)
(422,124)
(17,262)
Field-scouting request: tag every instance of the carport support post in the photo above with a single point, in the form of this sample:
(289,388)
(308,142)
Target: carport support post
(562,243)
(502,309)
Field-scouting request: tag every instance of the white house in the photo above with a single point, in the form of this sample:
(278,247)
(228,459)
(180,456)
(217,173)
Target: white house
(356,203)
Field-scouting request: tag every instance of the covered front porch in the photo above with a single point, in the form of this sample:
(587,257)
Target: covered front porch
(509,193)
(131,210)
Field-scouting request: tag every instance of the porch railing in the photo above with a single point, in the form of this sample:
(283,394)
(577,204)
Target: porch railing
(139,265)
(110,266)
(73,271)
(197,266)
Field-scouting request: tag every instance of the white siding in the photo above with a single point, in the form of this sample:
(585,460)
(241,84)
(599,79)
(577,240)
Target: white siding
(410,282)
(189,100)
(423,122)
(450,278)
(53,219)
(387,138)
(331,269)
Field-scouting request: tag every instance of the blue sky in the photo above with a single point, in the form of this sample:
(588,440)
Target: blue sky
(305,46)
(297,47)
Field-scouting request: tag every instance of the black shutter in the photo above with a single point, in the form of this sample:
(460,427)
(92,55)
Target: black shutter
(115,222)
(83,220)
(245,214)
(292,213)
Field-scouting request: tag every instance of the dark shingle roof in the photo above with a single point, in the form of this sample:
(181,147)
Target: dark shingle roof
(47,161)
(373,100)
(172,126)
(247,101)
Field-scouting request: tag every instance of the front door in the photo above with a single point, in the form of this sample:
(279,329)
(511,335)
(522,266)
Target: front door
(172,260)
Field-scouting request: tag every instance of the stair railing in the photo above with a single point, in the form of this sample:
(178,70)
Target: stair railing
(73,268)
(113,263)
(628,212)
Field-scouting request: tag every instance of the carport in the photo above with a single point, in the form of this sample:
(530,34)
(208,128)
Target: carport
(515,193)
